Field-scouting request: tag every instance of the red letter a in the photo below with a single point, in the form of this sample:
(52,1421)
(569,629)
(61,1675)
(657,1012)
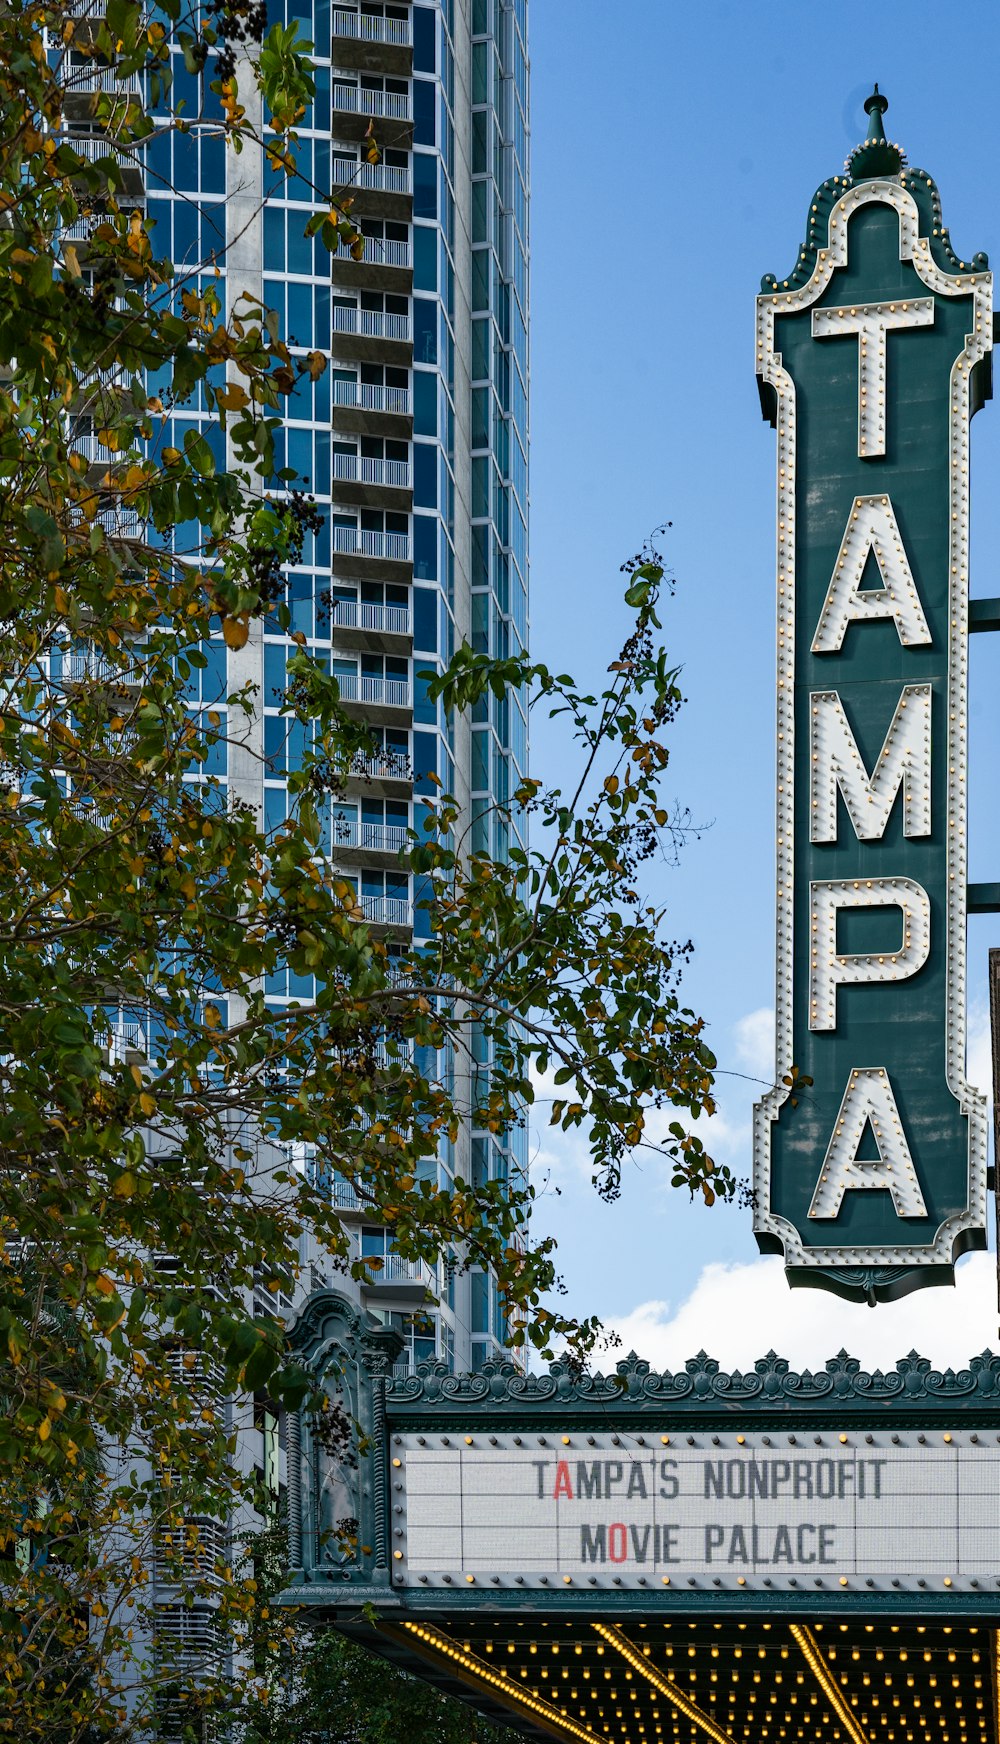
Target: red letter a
(563,1485)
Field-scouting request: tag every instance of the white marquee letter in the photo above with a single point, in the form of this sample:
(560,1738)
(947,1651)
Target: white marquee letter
(904,761)
(830,969)
(871,324)
(871,527)
(868,1099)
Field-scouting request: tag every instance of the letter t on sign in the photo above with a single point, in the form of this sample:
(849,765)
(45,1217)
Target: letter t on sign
(871,323)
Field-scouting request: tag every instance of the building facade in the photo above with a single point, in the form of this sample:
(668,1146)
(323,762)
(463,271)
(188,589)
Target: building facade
(413,442)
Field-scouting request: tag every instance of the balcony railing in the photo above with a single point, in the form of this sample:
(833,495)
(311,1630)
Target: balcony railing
(385,105)
(121,523)
(359,687)
(369,27)
(371,397)
(95,146)
(397,1270)
(379,251)
(95,76)
(359,615)
(356,542)
(82,229)
(372,324)
(373,838)
(88,666)
(377,178)
(85,442)
(386,910)
(381,766)
(358,469)
(125,1039)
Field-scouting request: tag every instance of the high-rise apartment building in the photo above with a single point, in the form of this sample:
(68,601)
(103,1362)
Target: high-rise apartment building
(414,443)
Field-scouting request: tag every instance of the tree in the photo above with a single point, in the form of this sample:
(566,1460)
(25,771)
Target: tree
(149,1096)
(349,1696)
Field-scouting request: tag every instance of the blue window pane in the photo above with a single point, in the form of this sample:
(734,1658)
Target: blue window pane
(424,403)
(424,548)
(300,248)
(424,185)
(425,323)
(275,677)
(424,473)
(424,762)
(425,259)
(425,619)
(213,165)
(274,239)
(424,109)
(424,56)
(299,314)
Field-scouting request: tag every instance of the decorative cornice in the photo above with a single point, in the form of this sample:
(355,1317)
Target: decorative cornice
(701,1387)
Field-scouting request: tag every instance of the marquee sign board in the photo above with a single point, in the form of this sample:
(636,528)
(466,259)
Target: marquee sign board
(897,1510)
(873,356)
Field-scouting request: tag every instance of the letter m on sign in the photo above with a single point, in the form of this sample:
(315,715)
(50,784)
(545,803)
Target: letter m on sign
(872,358)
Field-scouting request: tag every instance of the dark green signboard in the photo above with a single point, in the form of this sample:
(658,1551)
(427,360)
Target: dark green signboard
(872,356)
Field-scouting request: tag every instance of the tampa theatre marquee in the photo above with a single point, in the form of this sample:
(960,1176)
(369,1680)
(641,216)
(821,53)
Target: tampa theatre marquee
(872,358)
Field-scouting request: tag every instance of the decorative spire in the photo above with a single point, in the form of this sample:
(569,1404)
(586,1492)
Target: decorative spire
(876,155)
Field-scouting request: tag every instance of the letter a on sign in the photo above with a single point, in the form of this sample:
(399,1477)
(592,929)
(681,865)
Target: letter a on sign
(871,531)
(873,1189)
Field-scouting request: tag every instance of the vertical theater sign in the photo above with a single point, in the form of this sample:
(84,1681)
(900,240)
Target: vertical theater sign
(872,357)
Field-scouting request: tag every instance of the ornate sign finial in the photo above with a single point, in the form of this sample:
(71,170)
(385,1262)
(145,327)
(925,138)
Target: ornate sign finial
(876,155)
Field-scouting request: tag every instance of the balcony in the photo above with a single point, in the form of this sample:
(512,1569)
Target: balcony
(95,453)
(366,27)
(393,693)
(373,324)
(390,911)
(381,766)
(370,838)
(88,666)
(355,542)
(379,251)
(378,105)
(399,1283)
(358,469)
(99,76)
(377,178)
(379,620)
(371,397)
(121,523)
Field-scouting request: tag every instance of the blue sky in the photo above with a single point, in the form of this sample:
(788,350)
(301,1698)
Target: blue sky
(675,151)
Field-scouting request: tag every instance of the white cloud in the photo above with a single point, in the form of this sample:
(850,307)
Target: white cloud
(739,1312)
(753,1036)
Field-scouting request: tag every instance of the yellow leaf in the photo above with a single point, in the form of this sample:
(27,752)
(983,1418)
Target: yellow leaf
(103,1285)
(147,1103)
(212,1017)
(171,456)
(232,398)
(44,1429)
(316,364)
(136,1076)
(235,633)
(70,261)
(125,1185)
